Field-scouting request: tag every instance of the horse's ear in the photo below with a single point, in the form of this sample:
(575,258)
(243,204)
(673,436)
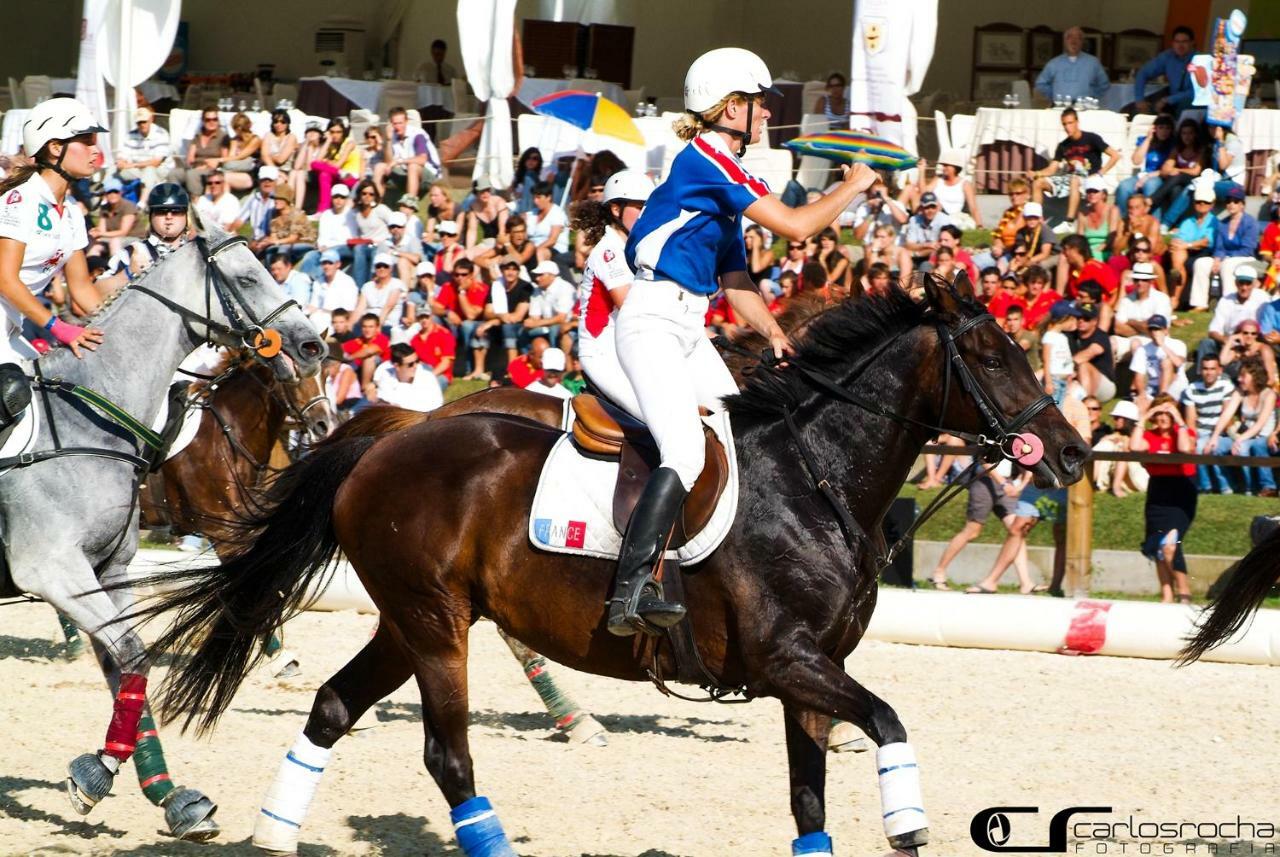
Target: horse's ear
(938,293)
(963,288)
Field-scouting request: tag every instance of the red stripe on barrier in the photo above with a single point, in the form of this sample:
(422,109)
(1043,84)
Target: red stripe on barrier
(158,778)
(1087,633)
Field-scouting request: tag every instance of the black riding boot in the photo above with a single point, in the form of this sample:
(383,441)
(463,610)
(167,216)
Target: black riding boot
(637,603)
(15,393)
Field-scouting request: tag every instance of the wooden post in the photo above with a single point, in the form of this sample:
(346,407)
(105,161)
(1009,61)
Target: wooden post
(1079,537)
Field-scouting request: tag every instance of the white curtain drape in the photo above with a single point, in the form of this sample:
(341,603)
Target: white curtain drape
(90,89)
(485,30)
(136,38)
(892,46)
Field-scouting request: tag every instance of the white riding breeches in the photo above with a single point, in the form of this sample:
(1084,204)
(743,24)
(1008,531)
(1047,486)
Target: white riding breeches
(673,369)
(600,363)
(14,347)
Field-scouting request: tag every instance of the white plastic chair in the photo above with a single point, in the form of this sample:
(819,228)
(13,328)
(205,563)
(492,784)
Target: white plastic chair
(772,165)
(633,97)
(814,172)
(962,127)
(942,128)
(15,95)
(1022,89)
(36,88)
(284,91)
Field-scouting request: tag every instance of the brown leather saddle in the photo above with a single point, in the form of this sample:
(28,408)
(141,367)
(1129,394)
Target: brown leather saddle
(602,430)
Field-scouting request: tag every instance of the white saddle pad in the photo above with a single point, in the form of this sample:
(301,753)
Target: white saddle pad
(23,437)
(573,506)
(186,434)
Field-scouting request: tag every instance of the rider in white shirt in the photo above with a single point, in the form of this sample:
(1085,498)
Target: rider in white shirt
(400,383)
(167,208)
(42,232)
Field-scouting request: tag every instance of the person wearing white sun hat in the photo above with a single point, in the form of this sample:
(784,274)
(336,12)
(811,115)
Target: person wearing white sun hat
(686,245)
(42,232)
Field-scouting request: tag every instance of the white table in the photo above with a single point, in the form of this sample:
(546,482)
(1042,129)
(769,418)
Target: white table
(533,88)
(366,94)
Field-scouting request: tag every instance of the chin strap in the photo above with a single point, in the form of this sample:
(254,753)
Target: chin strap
(743,136)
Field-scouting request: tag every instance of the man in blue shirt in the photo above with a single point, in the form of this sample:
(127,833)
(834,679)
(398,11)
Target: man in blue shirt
(1073,74)
(1170,64)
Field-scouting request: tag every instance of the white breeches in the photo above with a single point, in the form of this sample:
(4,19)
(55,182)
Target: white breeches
(673,369)
(599,359)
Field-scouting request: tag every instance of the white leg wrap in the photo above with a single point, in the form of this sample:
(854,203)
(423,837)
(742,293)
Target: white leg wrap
(901,799)
(285,806)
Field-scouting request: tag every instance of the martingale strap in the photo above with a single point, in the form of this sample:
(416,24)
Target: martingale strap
(108,408)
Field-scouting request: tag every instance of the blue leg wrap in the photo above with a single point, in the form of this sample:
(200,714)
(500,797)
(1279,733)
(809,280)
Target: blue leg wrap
(816,844)
(478,830)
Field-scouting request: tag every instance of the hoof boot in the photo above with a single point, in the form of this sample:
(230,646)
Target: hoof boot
(88,781)
(189,815)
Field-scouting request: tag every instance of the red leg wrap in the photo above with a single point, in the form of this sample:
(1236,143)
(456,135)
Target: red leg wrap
(123,731)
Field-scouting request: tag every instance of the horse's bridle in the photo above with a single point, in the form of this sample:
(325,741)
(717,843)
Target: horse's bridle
(252,332)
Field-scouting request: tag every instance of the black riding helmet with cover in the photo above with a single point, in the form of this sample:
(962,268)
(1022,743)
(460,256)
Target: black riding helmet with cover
(168,196)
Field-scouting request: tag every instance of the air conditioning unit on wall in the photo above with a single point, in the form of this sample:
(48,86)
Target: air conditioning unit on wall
(340,46)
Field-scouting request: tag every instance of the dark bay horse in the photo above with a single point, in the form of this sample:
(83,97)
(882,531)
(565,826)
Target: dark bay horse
(776,610)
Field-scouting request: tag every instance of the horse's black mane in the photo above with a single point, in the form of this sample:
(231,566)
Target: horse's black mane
(833,340)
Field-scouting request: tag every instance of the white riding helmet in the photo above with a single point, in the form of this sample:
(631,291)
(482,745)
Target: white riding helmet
(722,72)
(628,185)
(56,119)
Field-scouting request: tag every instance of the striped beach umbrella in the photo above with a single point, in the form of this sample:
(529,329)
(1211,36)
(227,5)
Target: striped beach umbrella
(851,147)
(589,111)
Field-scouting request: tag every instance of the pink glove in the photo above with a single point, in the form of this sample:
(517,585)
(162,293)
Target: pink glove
(65,333)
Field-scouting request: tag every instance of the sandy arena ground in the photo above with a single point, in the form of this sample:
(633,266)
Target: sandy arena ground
(990,728)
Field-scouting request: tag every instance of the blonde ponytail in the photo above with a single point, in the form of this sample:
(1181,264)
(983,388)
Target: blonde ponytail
(691,124)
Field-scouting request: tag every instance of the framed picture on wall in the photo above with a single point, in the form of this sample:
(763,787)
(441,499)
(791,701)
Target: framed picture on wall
(1043,45)
(1133,48)
(999,48)
(991,87)
(1094,44)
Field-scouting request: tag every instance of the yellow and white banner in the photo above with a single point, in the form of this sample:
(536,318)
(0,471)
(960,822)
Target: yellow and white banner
(892,47)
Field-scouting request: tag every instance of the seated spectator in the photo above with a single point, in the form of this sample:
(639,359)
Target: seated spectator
(1028,340)
(410,155)
(218,205)
(548,228)
(833,103)
(1190,157)
(366,351)
(1171,64)
(373,229)
(371,156)
(949,237)
(1140,224)
(1153,150)
(1245,345)
(280,149)
(1142,303)
(341,328)
(341,386)
(1254,403)
(119,222)
(1228,160)
(442,297)
(833,262)
(1091,352)
(1120,478)
(796,258)
(334,289)
(296,285)
(338,162)
(291,232)
(1077,267)
(1040,298)
(1158,363)
(1034,237)
(991,255)
(1235,243)
(1055,350)
(954,192)
(1269,323)
(257,208)
(1077,156)
(878,209)
(1006,296)
(1011,220)
(527,368)
(551,382)
(312,147)
(994,491)
(1193,241)
(382,295)
(205,153)
(878,280)
(1099,220)
(242,153)
(1244,303)
(550,305)
(403,246)
(882,249)
(1202,404)
(400,383)
(336,232)
(1140,254)
(528,174)
(505,313)
(486,220)
(436,347)
(472,294)
(1073,73)
(923,229)
(787,285)
(943,264)
(145,154)
(408,206)
(987,286)
(760,258)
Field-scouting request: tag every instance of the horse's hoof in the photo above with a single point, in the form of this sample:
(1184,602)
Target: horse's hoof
(189,815)
(587,730)
(909,842)
(88,781)
(845,738)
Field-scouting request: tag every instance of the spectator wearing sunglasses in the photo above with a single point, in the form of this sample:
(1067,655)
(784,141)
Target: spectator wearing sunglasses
(206,152)
(280,147)
(217,204)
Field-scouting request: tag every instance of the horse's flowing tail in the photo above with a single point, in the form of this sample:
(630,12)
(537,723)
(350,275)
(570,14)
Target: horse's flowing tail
(1242,595)
(225,613)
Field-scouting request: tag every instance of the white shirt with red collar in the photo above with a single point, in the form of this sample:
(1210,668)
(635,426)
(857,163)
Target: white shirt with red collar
(606,269)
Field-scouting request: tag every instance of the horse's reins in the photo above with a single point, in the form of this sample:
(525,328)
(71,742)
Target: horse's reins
(1000,444)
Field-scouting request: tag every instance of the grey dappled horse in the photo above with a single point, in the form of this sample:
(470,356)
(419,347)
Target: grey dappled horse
(69,521)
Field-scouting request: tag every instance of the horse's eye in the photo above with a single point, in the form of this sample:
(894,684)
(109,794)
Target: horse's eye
(992,364)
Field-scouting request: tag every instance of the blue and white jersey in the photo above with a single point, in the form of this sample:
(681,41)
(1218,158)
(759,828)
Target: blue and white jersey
(691,229)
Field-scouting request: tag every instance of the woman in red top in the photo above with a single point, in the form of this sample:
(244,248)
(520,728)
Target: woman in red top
(1171,495)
